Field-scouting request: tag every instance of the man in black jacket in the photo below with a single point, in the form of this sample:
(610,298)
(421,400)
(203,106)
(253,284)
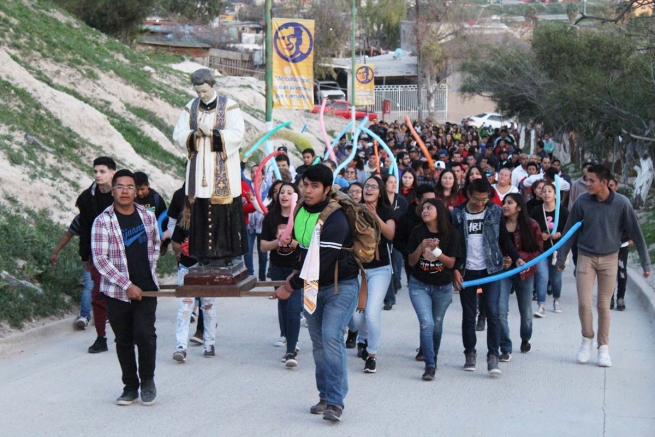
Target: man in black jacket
(91,203)
(328,306)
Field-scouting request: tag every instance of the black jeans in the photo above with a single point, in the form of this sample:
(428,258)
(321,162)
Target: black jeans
(134,322)
(490,300)
(622,276)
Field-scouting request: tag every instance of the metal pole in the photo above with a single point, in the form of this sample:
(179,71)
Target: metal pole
(352,70)
(419,98)
(269,64)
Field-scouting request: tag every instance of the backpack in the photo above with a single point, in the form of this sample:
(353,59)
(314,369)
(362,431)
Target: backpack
(364,231)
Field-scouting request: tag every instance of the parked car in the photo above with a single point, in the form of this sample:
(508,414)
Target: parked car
(489,119)
(341,108)
(327,90)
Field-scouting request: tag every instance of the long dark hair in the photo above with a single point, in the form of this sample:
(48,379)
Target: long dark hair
(277,208)
(413,173)
(443,223)
(523,226)
(438,188)
(467,181)
(270,193)
(383,200)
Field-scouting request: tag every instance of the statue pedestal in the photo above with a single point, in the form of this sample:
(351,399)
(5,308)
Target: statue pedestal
(217,281)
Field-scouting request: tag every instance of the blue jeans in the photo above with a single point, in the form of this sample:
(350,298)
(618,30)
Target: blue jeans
(490,299)
(368,322)
(288,311)
(184,310)
(523,291)
(430,303)
(262,257)
(547,273)
(326,327)
(85,304)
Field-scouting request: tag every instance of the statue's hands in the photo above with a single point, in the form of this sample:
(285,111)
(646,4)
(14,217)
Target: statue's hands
(204,130)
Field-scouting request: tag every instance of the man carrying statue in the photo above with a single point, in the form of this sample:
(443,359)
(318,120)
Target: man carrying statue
(211,129)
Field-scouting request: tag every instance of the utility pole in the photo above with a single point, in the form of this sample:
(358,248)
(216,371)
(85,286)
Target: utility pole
(352,69)
(419,98)
(269,65)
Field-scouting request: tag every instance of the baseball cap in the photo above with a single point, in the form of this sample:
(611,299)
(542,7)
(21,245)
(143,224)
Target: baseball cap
(282,149)
(440,164)
(443,152)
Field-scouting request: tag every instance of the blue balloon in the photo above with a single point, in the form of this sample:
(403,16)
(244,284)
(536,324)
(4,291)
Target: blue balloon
(264,138)
(160,222)
(316,160)
(394,164)
(337,138)
(353,152)
(557,205)
(508,273)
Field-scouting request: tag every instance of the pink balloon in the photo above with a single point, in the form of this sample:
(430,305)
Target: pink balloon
(287,231)
(328,145)
(258,179)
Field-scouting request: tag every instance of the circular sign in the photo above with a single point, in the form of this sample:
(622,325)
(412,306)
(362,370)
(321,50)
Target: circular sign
(293,42)
(364,74)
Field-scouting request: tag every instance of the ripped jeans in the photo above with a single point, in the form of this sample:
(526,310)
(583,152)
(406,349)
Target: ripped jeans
(184,311)
(430,303)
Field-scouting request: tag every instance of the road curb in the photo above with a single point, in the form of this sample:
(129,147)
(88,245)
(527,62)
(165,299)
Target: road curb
(48,329)
(643,291)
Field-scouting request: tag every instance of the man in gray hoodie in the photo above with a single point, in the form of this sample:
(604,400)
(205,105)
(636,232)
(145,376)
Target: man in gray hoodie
(606,215)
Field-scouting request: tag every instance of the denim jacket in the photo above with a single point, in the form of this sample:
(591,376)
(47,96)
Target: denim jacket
(497,241)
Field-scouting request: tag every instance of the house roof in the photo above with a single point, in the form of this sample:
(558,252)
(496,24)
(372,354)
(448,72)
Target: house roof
(173,42)
(387,65)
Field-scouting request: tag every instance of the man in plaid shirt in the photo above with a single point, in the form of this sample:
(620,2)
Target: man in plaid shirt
(125,247)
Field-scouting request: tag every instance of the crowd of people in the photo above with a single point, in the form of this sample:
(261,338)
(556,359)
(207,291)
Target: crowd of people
(482,207)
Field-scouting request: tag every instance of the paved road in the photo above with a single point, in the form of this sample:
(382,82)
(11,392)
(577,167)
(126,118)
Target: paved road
(54,388)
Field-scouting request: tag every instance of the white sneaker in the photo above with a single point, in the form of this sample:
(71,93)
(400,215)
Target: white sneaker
(282,341)
(541,312)
(557,308)
(585,350)
(303,320)
(81,322)
(604,359)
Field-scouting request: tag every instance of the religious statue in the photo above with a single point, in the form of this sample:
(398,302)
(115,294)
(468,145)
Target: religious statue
(211,129)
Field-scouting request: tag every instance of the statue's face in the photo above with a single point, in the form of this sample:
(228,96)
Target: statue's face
(205,92)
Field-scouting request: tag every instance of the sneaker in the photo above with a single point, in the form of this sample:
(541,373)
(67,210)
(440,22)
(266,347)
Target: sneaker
(549,291)
(419,355)
(541,312)
(387,307)
(620,304)
(81,323)
(290,360)
(585,350)
(428,375)
(612,303)
(100,345)
(262,278)
(318,408)
(197,338)
(480,325)
(284,358)
(332,413)
(148,392)
(128,397)
(469,365)
(492,365)
(505,357)
(282,341)
(525,347)
(365,353)
(180,355)
(534,297)
(604,359)
(194,317)
(303,321)
(210,351)
(351,341)
(557,308)
(370,365)
(360,348)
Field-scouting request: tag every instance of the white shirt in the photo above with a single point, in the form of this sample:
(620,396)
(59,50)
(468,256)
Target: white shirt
(475,259)
(517,175)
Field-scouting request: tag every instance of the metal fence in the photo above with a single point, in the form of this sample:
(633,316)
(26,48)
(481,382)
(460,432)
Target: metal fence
(233,70)
(404,101)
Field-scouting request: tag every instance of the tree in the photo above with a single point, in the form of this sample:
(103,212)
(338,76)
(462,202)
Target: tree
(195,11)
(380,22)
(331,32)
(118,18)
(572,12)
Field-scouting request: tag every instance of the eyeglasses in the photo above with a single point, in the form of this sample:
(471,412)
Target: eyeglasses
(124,188)
(478,201)
(371,187)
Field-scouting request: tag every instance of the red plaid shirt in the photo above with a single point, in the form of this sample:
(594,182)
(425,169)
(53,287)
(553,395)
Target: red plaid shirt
(108,251)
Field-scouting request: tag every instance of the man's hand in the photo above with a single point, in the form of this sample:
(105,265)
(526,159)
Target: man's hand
(133,292)
(86,266)
(646,274)
(281,293)
(561,269)
(507,262)
(54,258)
(457,280)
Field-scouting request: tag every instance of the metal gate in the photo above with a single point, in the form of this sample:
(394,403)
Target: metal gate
(404,101)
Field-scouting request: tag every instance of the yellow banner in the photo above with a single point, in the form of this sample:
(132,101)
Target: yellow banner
(293,63)
(364,84)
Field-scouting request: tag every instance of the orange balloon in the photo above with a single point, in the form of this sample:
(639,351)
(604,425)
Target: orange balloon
(419,142)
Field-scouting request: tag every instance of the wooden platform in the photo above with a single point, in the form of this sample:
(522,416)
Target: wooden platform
(248,287)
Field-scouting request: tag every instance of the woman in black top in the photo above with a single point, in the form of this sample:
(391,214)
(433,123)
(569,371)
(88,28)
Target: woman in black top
(378,272)
(283,255)
(432,250)
(399,206)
